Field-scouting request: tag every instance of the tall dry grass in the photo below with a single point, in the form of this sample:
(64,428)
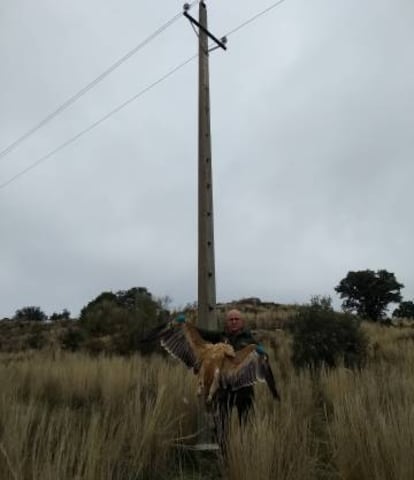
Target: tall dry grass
(279,441)
(370,417)
(81,418)
(70,416)
(338,424)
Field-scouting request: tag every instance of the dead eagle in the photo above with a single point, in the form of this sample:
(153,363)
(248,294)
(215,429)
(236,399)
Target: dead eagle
(216,365)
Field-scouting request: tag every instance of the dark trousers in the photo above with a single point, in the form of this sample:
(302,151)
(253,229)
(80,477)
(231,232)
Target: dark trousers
(225,401)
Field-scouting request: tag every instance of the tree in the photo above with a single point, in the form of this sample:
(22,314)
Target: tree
(65,315)
(405,310)
(369,293)
(322,302)
(122,317)
(32,314)
(322,336)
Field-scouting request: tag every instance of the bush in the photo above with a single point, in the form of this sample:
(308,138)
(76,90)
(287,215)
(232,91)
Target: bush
(72,339)
(37,338)
(324,337)
(65,315)
(120,319)
(405,310)
(30,314)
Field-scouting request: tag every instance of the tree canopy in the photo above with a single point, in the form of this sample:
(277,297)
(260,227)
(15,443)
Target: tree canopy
(123,315)
(31,314)
(405,310)
(369,293)
(64,315)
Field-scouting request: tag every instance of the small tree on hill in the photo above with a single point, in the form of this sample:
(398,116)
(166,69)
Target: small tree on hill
(322,302)
(123,316)
(369,293)
(405,310)
(65,315)
(31,314)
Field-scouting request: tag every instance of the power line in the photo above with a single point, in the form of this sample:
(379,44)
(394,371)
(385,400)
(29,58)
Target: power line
(90,85)
(255,17)
(127,102)
(96,123)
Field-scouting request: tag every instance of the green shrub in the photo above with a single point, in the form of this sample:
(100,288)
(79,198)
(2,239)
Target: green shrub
(405,310)
(64,315)
(115,322)
(322,336)
(72,339)
(30,314)
(36,341)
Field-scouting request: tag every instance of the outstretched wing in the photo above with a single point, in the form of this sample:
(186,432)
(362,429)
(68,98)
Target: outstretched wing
(180,340)
(154,334)
(247,368)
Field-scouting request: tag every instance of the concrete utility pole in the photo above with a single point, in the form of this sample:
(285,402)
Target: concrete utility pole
(206,264)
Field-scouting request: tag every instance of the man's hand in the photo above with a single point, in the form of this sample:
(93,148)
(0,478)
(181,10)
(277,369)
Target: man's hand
(260,349)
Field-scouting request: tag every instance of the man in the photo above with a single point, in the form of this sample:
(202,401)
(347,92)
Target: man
(174,338)
(239,337)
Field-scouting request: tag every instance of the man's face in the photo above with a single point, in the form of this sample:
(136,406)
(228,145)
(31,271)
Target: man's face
(235,322)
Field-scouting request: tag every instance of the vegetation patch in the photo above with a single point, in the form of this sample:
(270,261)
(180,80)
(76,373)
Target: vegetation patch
(70,415)
(323,337)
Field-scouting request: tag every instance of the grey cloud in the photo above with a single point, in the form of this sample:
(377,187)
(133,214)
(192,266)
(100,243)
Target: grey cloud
(312,120)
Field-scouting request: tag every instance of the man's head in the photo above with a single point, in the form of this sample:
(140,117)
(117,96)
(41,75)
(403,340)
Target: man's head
(234,322)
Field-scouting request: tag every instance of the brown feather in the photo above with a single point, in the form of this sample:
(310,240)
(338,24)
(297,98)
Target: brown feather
(217,365)
(247,368)
(183,341)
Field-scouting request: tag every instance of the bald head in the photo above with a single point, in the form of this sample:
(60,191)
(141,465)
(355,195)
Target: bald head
(234,321)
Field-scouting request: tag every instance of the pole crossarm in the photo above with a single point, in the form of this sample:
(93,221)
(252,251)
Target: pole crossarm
(220,43)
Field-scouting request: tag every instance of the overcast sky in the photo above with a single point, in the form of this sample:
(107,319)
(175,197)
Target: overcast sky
(313,141)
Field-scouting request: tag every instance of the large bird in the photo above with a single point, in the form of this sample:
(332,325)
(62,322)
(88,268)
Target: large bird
(216,365)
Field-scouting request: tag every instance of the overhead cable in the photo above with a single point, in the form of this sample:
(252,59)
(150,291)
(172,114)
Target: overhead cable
(71,100)
(255,17)
(97,122)
(127,102)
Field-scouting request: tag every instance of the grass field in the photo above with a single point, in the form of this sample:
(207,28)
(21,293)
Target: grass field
(70,416)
